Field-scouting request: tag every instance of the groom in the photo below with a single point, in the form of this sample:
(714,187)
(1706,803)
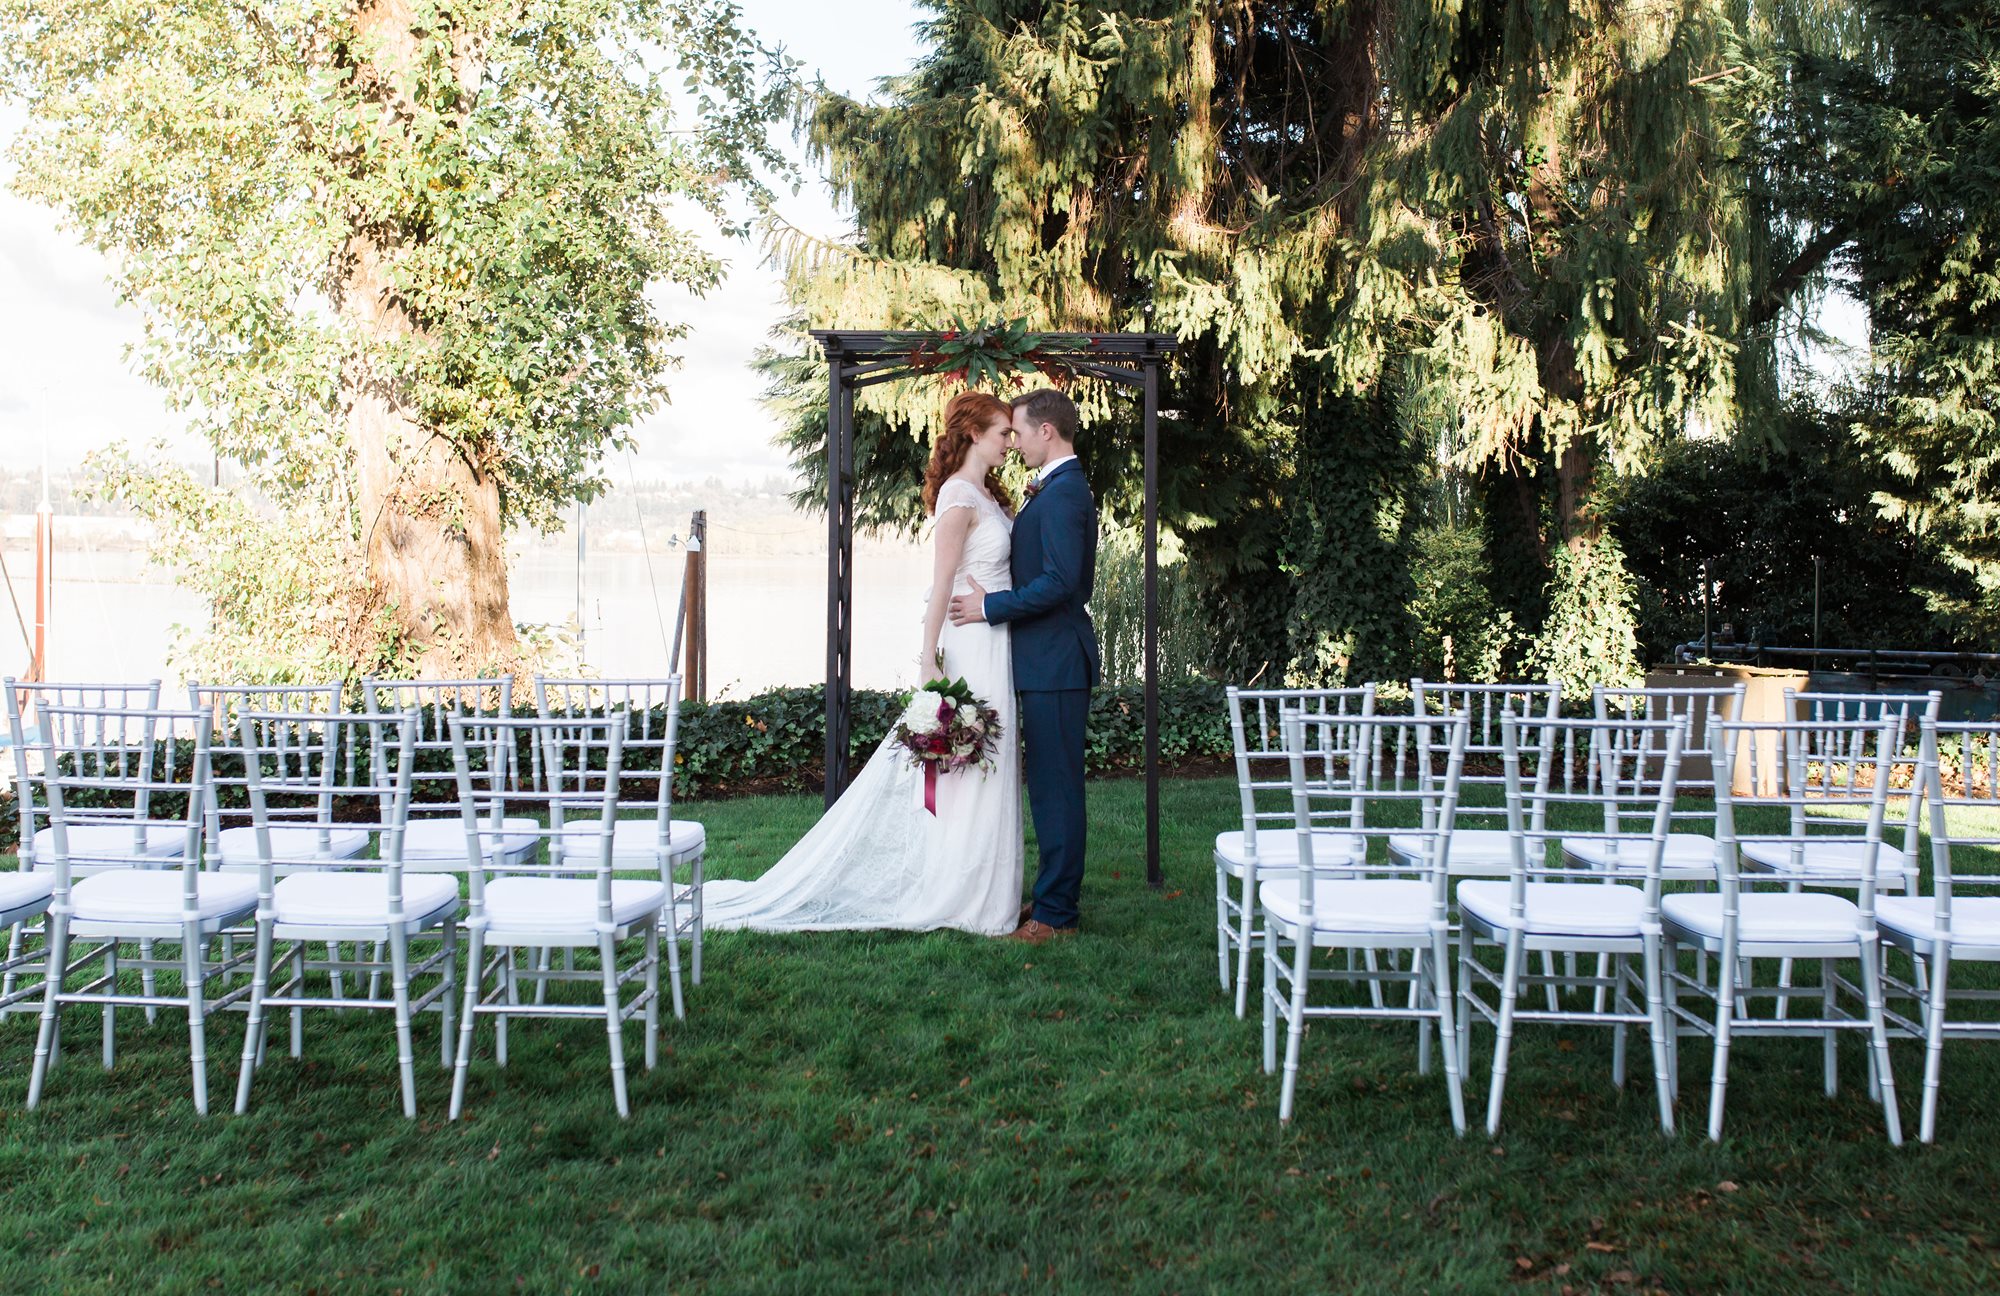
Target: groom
(1055,647)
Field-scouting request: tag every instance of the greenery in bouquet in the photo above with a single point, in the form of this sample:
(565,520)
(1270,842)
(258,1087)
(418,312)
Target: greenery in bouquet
(949,727)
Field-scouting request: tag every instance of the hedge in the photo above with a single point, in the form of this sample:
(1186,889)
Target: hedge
(776,740)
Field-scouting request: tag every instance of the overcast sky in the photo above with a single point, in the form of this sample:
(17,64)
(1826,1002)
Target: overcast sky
(64,376)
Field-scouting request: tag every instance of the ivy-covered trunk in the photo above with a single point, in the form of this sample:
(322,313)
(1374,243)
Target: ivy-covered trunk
(428,516)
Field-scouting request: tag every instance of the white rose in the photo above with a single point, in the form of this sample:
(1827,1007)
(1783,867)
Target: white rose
(968,714)
(922,717)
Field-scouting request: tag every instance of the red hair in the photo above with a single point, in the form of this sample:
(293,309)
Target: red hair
(969,414)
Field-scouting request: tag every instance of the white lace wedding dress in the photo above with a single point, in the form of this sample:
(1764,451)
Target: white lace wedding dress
(878,859)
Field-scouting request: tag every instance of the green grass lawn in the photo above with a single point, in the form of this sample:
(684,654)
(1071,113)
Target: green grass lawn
(917,1113)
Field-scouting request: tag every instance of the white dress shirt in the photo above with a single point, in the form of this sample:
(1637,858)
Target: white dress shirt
(1042,473)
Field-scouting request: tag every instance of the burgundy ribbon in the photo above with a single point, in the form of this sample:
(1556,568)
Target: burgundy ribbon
(930,787)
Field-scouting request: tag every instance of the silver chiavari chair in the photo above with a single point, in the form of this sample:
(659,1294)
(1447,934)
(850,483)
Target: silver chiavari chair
(653,838)
(1266,846)
(117,777)
(1480,843)
(1353,893)
(540,902)
(1691,850)
(1540,909)
(1842,755)
(434,840)
(1961,765)
(1826,817)
(295,776)
(37,838)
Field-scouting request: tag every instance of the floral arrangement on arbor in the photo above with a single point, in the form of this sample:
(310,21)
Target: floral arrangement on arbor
(982,354)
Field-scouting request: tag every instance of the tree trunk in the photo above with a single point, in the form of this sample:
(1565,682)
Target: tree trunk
(431,536)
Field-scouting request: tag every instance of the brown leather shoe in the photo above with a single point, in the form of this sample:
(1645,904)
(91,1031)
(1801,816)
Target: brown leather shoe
(1033,932)
(1027,912)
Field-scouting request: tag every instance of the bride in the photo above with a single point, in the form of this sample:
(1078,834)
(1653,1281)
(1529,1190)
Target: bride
(878,858)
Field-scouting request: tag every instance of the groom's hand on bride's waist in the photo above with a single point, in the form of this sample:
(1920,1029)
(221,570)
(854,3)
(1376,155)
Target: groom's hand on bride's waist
(968,608)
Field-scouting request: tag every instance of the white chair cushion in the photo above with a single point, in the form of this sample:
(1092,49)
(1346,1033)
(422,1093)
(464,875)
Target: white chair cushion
(1558,908)
(444,839)
(25,890)
(290,842)
(1278,849)
(635,839)
(100,842)
(359,899)
(546,904)
(1478,852)
(1831,855)
(1766,917)
(154,896)
(1688,855)
(1360,905)
(1975,920)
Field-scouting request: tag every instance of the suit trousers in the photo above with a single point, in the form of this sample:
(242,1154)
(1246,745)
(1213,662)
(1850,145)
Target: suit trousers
(1052,728)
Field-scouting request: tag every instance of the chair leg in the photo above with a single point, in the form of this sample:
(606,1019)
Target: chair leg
(510,991)
(1936,1002)
(254,1029)
(1295,1025)
(148,980)
(1373,965)
(15,938)
(298,983)
(1244,939)
(1871,986)
(447,997)
(1417,991)
(475,976)
(653,991)
(193,950)
(1503,1037)
(1270,998)
(1829,1038)
(399,988)
(1465,992)
(1223,929)
(613,1024)
(1658,1028)
(1727,973)
(1447,1032)
(1613,968)
(1549,981)
(672,922)
(57,974)
(110,1012)
(1670,995)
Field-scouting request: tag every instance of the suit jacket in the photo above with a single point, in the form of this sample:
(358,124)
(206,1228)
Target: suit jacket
(1055,568)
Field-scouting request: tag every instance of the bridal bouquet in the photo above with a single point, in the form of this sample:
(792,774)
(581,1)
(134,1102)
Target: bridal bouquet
(947,728)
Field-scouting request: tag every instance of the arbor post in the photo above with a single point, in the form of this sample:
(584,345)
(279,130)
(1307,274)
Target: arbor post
(1151,649)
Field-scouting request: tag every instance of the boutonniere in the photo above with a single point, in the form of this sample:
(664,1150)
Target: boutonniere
(1034,489)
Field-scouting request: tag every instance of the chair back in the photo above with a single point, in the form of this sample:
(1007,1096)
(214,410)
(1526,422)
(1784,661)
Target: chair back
(1628,805)
(1819,802)
(25,701)
(124,786)
(1263,760)
(292,745)
(1483,785)
(294,781)
(434,785)
(1370,809)
(652,733)
(1962,763)
(1844,752)
(577,797)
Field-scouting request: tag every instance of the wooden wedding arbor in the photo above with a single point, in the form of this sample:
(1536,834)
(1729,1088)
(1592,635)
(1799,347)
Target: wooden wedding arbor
(857,359)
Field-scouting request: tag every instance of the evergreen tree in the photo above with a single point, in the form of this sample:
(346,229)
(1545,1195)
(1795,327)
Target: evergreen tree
(1523,223)
(1902,139)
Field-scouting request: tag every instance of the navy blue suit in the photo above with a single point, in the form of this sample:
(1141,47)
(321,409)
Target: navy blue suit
(1055,665)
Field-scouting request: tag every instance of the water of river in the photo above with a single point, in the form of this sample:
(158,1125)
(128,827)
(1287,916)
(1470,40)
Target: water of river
(115,616)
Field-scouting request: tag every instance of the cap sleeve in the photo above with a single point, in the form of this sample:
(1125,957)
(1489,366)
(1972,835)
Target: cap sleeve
(956,493)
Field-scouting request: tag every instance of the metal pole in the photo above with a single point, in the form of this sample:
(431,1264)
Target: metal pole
(580,553)
(45,573)
(1707,636)
(694,598)
(1816,562)
(835,740)
(1152,637)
